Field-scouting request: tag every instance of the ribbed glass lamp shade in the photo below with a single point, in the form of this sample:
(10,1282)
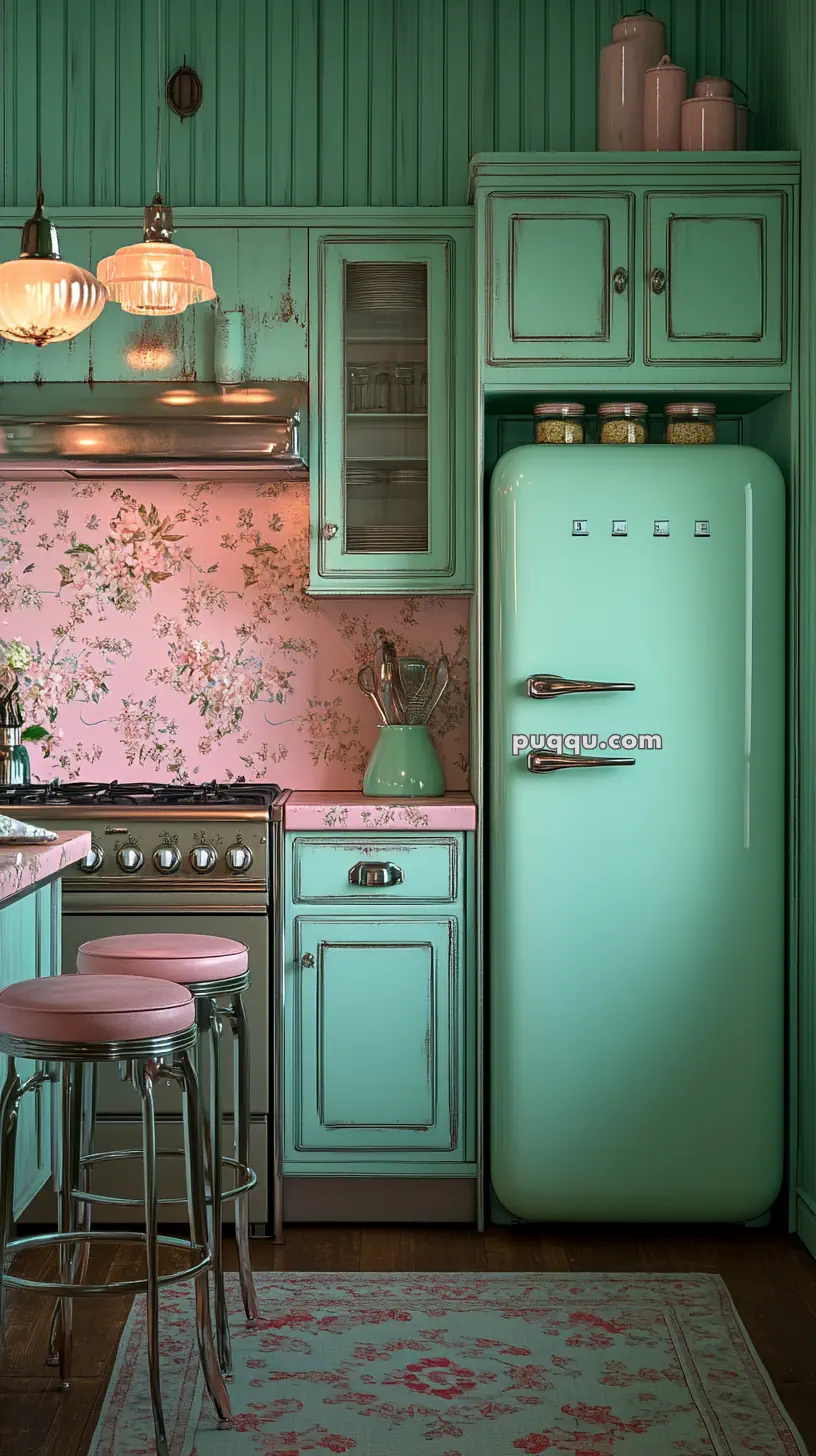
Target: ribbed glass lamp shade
(43,299)
(156,278)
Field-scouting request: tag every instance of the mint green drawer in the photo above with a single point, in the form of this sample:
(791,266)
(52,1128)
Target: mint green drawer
(428,863)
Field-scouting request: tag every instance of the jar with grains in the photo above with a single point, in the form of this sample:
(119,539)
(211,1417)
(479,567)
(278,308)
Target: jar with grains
(559,424)
(624,424)
(691,423)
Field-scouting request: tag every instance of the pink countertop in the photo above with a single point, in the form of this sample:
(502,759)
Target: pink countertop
(24,866)
(324,809)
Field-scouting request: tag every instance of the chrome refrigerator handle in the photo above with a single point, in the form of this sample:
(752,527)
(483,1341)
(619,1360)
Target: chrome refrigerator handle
(543,761)
(549,685)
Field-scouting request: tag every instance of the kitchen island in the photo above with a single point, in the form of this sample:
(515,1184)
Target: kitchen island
(30,939)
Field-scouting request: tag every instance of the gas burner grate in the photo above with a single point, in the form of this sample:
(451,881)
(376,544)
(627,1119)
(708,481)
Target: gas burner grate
(139,795)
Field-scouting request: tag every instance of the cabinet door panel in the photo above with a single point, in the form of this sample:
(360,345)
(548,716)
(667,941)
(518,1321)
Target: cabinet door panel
(552,263)
(375,1046)
(29,947)
(722,257)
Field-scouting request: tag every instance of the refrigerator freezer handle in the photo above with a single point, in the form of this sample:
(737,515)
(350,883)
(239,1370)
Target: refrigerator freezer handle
(541,760)
(548,685)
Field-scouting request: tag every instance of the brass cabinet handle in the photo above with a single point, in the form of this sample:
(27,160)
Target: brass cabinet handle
(543,761)
(307,960)
(549,685)
(329,531)
(657,280)
(373,875)
(620,278)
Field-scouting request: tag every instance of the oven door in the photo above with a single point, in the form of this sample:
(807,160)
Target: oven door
(249,925)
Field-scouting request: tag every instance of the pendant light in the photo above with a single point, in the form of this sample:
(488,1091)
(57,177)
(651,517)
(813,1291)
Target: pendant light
(44,299)
(156,277)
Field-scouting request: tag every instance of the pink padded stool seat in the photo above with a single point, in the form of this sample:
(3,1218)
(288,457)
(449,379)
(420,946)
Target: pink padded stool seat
(107,1009)
(180,958)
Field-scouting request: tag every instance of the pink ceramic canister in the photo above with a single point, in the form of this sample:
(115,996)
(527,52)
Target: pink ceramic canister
(708,124)
(639,42)
(665,88)
(713,86)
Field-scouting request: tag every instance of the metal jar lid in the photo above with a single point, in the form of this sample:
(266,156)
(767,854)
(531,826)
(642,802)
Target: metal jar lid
(561,411)
(627,408)
(691,409)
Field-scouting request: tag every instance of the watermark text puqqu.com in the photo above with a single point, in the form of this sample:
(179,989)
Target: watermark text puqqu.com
(584,742)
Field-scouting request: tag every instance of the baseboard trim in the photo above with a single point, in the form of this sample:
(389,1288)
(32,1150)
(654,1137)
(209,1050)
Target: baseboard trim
(379,1200)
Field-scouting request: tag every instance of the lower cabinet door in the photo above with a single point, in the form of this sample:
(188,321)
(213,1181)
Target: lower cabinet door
(29,948)
(374,1039)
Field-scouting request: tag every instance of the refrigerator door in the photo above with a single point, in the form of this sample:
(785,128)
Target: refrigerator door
(636,911)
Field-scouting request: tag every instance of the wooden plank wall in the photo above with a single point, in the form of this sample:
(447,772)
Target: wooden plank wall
(312,102)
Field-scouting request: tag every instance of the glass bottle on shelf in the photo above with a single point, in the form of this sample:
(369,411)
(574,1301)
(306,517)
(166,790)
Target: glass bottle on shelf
(403,391)
(382,390)
(359,390)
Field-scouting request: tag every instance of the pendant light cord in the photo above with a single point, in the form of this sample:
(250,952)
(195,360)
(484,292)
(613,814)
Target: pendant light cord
(158,94)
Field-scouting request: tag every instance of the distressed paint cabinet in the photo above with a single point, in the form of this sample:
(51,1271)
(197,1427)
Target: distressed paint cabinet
(636,270)
(30,946)
(379,1030)
(391,413)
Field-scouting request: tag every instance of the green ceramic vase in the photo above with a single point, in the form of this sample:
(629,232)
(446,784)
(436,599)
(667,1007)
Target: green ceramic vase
(404,764)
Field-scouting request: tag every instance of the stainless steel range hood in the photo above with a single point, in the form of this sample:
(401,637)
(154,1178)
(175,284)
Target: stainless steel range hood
(138,430)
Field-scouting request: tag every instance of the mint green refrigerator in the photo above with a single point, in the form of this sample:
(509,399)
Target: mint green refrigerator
(636,832)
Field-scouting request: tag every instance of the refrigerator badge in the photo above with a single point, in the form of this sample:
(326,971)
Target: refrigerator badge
(580,528)
(702,528)
(661,528)
(620,528)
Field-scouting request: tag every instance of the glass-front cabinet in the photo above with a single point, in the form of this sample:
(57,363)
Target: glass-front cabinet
(390,415)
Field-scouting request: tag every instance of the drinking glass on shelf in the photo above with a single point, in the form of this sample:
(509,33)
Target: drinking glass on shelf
(358,377)
(421,392)
(403,391)
(382,390)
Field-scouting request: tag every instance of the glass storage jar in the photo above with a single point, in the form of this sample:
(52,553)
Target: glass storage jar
(691,423)
(624,423)
(559,424)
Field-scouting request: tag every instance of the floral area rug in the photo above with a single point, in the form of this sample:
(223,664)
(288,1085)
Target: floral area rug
(460,1365)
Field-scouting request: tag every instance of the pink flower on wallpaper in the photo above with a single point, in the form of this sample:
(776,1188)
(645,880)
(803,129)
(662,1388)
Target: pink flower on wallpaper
(172,636)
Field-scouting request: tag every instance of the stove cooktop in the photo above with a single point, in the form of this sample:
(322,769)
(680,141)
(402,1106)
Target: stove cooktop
(141,795)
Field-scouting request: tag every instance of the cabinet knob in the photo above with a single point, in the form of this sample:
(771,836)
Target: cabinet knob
(620,278)
(329,531)
(657,280)
(307,961)
(372,875)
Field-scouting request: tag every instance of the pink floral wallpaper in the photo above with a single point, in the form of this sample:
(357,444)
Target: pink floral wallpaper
(172,637)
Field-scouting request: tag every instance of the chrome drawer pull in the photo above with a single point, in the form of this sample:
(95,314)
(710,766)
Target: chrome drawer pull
(371,875)
(542,761)
(549,685)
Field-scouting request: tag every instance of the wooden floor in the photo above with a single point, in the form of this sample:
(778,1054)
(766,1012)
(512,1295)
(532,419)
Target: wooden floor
(771,1277)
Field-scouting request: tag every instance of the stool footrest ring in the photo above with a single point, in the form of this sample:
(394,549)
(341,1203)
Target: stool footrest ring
(248,1175)
(120,1286)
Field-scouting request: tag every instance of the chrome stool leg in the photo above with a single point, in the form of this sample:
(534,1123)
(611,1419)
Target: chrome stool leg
(198,1233)
(210,1025)
(143,1082)
(85,1108)
(9,1102)
(240,1032)
(71,1133)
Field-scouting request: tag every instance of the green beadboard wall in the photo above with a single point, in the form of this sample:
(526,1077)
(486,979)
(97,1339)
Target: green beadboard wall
(313,102)
(785,88)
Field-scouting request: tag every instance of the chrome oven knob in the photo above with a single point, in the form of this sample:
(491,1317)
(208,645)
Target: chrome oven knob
(93,860)
(202,858)
(130,859)
(167,859)
(238,858)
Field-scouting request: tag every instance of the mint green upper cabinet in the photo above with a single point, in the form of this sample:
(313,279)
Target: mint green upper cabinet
(390,418)
(616,271)
(716,277)
(558,281)
(375,1006)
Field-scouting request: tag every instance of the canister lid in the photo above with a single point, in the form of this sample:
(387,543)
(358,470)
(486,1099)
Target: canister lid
(691,409)
(564,411)
(665,64)
(628,408)
(714,86)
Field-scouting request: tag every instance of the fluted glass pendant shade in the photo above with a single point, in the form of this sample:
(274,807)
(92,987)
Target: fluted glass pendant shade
(44,299)
(156,276)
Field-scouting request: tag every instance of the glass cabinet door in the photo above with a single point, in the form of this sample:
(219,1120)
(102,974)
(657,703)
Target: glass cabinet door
(385,428)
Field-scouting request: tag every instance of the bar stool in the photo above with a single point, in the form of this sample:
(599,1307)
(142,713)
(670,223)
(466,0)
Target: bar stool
(215,971)
(67,1024)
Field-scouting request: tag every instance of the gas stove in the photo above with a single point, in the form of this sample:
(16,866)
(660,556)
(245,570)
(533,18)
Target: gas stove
(197,836)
